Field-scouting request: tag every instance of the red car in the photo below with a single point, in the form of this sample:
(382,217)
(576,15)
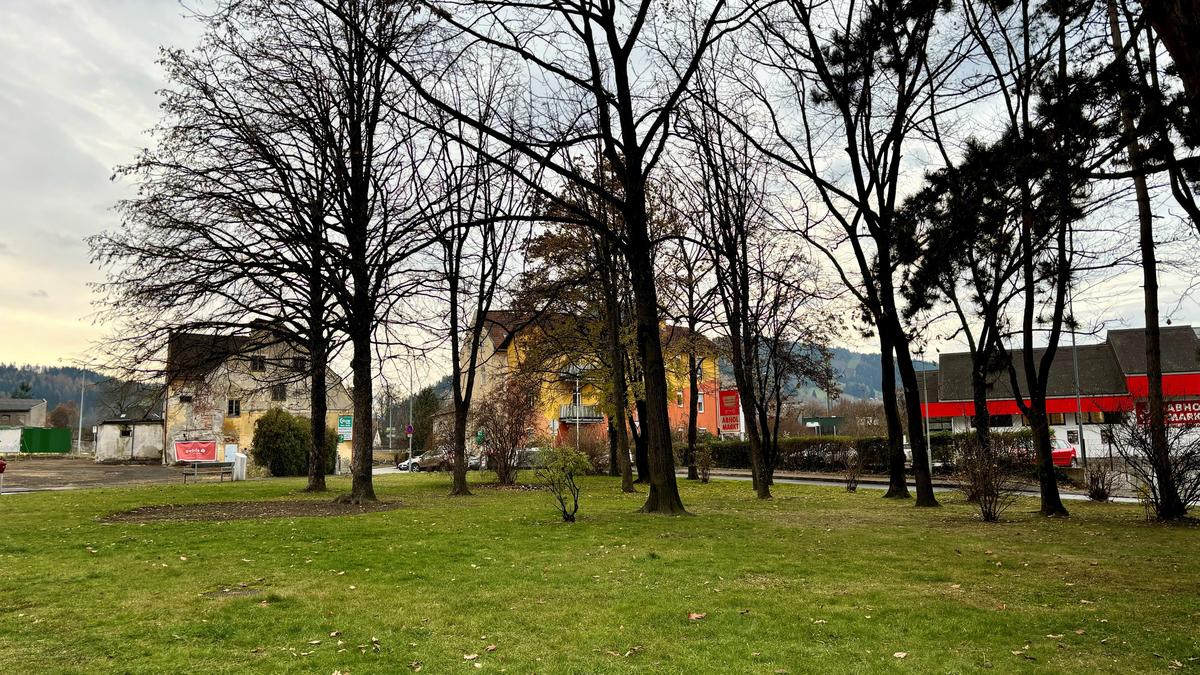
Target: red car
(1063,453)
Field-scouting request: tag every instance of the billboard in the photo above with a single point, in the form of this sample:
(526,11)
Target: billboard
(730,411)
(1178,413)
(195,451)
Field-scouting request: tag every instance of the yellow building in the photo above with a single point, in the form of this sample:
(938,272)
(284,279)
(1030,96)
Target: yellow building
(570,390)
(218,386)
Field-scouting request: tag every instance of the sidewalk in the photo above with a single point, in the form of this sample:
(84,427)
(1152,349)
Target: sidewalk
(939,482)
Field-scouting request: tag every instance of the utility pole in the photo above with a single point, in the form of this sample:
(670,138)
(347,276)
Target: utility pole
(578,409)
(410,407)
(1078,398)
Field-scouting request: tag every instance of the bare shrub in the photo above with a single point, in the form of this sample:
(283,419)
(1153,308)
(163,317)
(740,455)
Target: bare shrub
(1100,478)
(558,470)
(985,476)
(704,461)
(505,418)
(1177,473)
(852,468)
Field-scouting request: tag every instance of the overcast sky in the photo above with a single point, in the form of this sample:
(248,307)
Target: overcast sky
(77,91)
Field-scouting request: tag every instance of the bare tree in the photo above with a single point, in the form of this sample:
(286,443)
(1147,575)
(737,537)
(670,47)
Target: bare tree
(506,416)
(603,76)
(227,232)
(858,85)
(482,223)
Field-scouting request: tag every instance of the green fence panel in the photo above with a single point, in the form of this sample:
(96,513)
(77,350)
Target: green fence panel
(46,441)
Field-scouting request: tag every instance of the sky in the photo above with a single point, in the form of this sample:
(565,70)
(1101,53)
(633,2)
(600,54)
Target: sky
(77,92)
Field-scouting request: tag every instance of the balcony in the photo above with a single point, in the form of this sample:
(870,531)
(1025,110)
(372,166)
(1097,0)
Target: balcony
(582,414)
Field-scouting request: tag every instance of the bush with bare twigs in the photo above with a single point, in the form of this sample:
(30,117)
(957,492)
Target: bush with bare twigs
(505,418)
(985,476)
(558,471)
(704,462)
(1100,478)
(852,468)
(1177,472)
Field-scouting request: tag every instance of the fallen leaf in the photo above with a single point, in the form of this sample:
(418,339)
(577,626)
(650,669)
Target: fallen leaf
(470,657)
(490,648)
(1054,637)
(478,664)
(416,666)
(818,620)
(900,655)
(314,642)
(694,616)
(1079,631)
(182,557)
(335,633)
(955,585)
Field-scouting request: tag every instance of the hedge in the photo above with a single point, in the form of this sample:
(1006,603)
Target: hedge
(828,453)
(806,453)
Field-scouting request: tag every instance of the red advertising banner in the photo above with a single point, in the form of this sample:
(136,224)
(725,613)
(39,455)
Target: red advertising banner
(1179,413)
(195,451)
(729,408)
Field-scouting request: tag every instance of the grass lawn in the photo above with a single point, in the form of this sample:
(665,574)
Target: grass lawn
(815,580)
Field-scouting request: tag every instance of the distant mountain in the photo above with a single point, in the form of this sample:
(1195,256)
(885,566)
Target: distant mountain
(859,374)
(62,384)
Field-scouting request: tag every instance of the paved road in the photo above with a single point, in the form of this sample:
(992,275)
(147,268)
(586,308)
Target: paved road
(1067,496)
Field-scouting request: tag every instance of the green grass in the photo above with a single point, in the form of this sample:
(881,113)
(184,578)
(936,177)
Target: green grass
(814,580)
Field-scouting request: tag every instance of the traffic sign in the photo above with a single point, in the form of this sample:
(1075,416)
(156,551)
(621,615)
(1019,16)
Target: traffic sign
(408,430)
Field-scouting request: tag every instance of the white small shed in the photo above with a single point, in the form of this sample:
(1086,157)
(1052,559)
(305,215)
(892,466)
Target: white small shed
(127,440)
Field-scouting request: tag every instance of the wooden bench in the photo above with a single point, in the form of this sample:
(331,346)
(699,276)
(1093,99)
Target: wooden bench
(197,469)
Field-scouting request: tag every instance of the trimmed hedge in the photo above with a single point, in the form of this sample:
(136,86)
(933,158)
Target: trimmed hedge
(828,453)
(806,453)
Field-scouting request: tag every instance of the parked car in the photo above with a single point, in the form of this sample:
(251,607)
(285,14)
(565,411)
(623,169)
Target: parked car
(406,464)
(529,458)
(1062,453)
(434,460)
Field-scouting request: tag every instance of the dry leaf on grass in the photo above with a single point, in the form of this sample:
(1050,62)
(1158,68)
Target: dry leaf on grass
(696,616)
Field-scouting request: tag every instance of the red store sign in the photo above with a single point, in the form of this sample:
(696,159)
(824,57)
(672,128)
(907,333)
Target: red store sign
(730,408)
(1178,413)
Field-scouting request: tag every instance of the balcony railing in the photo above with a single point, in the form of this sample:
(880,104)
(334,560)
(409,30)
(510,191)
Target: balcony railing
(579,413)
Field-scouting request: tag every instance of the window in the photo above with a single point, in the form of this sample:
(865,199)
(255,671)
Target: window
(1001,420)
(5,417)
(258,364)
(1057,418)
(1114,418)
(699,401)
(185,398)
(577,399)
(126,431)
(299,364)
(279,392)
(234,408)
(939,425)
(1093,418)
(679,398)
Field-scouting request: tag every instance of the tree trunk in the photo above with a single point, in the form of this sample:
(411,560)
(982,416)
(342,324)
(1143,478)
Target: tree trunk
(459,486)
(613,471)
(1170,506)
(318,402)
(663,497)
(641,455)
(1177,23)
(897,480)
(912,406)
(362,488)
(620,381)
(689,455)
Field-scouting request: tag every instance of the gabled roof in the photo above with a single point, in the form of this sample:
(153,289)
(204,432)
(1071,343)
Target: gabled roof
(1179,349)
(194,355)
(1099,374)
(20,404)
(502,325)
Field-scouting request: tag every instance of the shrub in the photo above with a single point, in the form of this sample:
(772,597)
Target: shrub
(282,441)
(852,465)
(1100,477)
(559,468)
(985,476)
(704,462)
(1168,485)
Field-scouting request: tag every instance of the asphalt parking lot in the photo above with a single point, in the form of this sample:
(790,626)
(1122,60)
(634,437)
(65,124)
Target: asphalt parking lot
(25,474)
